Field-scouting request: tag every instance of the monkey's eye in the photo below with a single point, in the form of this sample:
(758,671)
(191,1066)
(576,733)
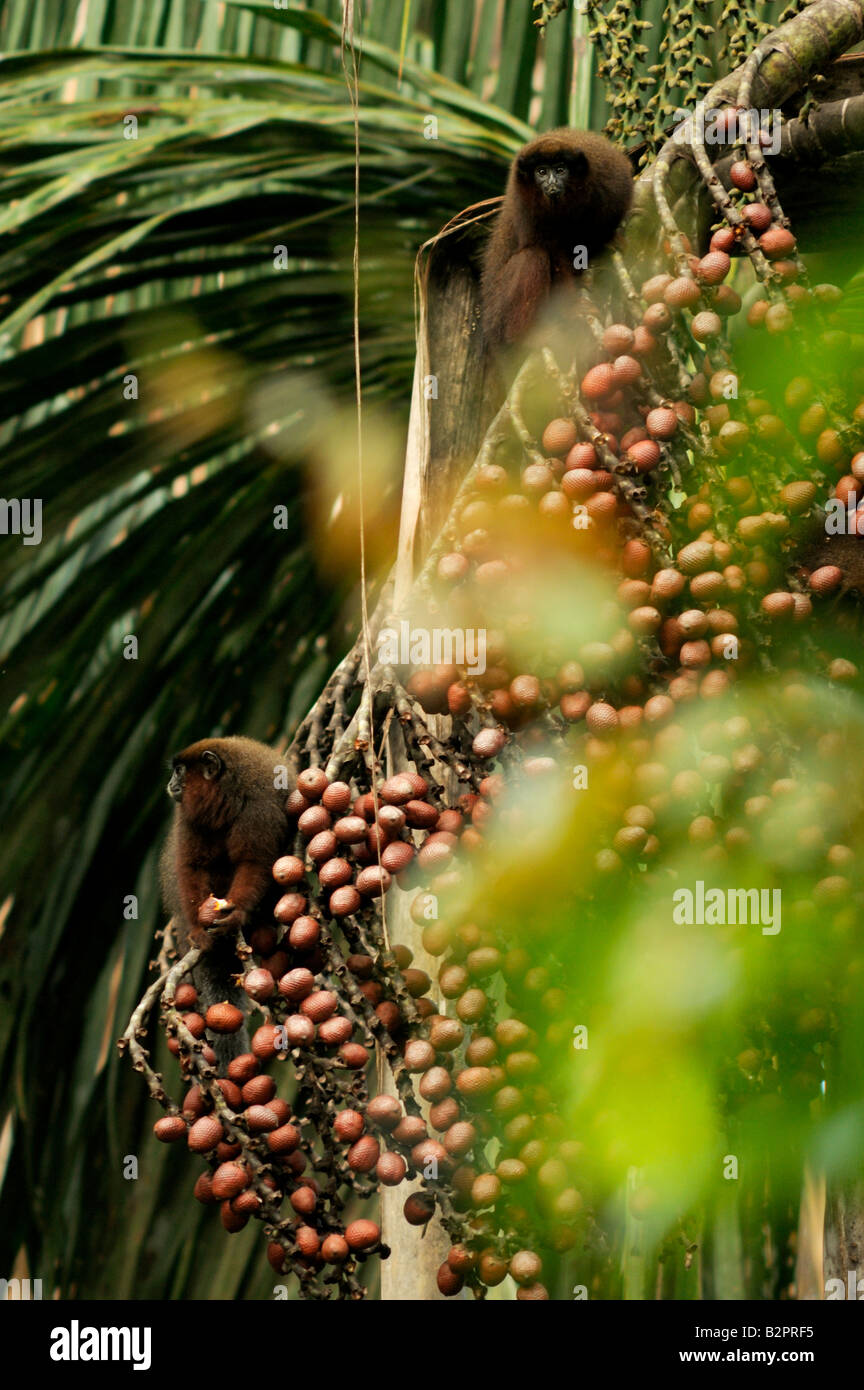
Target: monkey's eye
(210,765)
(541,169)
(561,169)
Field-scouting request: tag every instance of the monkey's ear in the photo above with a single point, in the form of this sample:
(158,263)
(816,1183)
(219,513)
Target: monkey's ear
(211,764)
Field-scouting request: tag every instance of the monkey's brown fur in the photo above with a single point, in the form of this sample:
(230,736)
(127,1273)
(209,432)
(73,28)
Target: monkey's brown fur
(566,189)
(229,827)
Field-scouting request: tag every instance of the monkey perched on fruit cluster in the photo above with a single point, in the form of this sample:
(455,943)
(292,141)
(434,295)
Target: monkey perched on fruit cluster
(567,189)
(217,864)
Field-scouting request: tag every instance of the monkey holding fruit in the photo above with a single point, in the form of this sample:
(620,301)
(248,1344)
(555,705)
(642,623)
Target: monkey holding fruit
(217,864)
(229,827)
(567,189)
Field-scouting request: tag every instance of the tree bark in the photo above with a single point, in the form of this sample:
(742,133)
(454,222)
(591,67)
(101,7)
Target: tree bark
(844,1231)
(452,403)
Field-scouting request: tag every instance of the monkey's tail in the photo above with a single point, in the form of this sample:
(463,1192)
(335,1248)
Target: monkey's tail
(212,977)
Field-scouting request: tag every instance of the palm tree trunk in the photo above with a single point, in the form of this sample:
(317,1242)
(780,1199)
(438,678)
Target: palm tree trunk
(451,400)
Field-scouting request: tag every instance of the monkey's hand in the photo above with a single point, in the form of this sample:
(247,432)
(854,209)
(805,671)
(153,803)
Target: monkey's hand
(219,915)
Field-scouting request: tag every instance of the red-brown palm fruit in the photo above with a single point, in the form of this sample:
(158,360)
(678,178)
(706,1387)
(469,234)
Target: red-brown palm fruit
(319,1005)
(334,1249)
(449,1281)
(362,1235)
(170,1128)
(203,1189)
(419,1208)
(266,1040)
(385,1112)
(444,1114)
(337,797)
(364,1154)
(246,1203)
(283,1140)
(391,1169)
(308,1241)
(419,1055)
(299,1031)
(526,1267)
(260,1119)
(289,870)
(334,1031)
(348,1126)
(232,1221)
(205,1134)
(224,1018)
(241,1069)
(492,1268)
(229,1179)
(304,1200)
(231,1092)
(461,1259)
(410,1130)
(258,1090)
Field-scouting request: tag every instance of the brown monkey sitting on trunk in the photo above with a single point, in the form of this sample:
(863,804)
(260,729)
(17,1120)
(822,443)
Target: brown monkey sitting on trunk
(567,189)
(229,828)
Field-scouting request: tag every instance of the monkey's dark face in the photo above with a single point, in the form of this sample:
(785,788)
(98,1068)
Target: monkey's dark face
(555,173)
(552,179)
(195,783)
